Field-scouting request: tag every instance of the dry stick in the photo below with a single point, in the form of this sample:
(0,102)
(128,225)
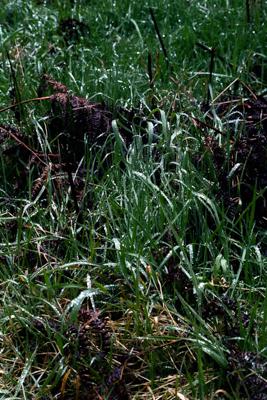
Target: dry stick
(249,90)
(198,121)
(171,342)
(237,80)
(225,90)
(234,101)
(14,136)
(159,37)
(51,155)
(34,153)
(26,147)
(25,102)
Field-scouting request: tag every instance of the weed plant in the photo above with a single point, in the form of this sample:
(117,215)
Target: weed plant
(153,289)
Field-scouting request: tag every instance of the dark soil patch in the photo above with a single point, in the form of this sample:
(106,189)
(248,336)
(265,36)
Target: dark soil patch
(242,168)
(72,30)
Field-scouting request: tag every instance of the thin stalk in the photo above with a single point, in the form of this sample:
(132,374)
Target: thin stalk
(159,37)
(25,102)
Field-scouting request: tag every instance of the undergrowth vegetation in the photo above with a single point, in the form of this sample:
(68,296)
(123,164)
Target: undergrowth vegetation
(133,200)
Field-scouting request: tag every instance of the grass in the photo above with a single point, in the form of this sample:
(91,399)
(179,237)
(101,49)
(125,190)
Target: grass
(154,290)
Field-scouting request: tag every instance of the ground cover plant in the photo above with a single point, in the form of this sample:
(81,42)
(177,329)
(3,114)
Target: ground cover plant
(133,200)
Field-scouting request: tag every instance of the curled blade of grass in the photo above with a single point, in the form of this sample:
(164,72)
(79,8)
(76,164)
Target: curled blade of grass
(209,205)
(138,31)
(152,186)
(119,139)
(76,303)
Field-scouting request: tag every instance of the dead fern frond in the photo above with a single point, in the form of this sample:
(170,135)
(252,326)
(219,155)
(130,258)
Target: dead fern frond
(41,181)
(47,81)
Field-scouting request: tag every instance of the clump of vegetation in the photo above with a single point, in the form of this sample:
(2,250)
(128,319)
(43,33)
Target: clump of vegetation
(133,200)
